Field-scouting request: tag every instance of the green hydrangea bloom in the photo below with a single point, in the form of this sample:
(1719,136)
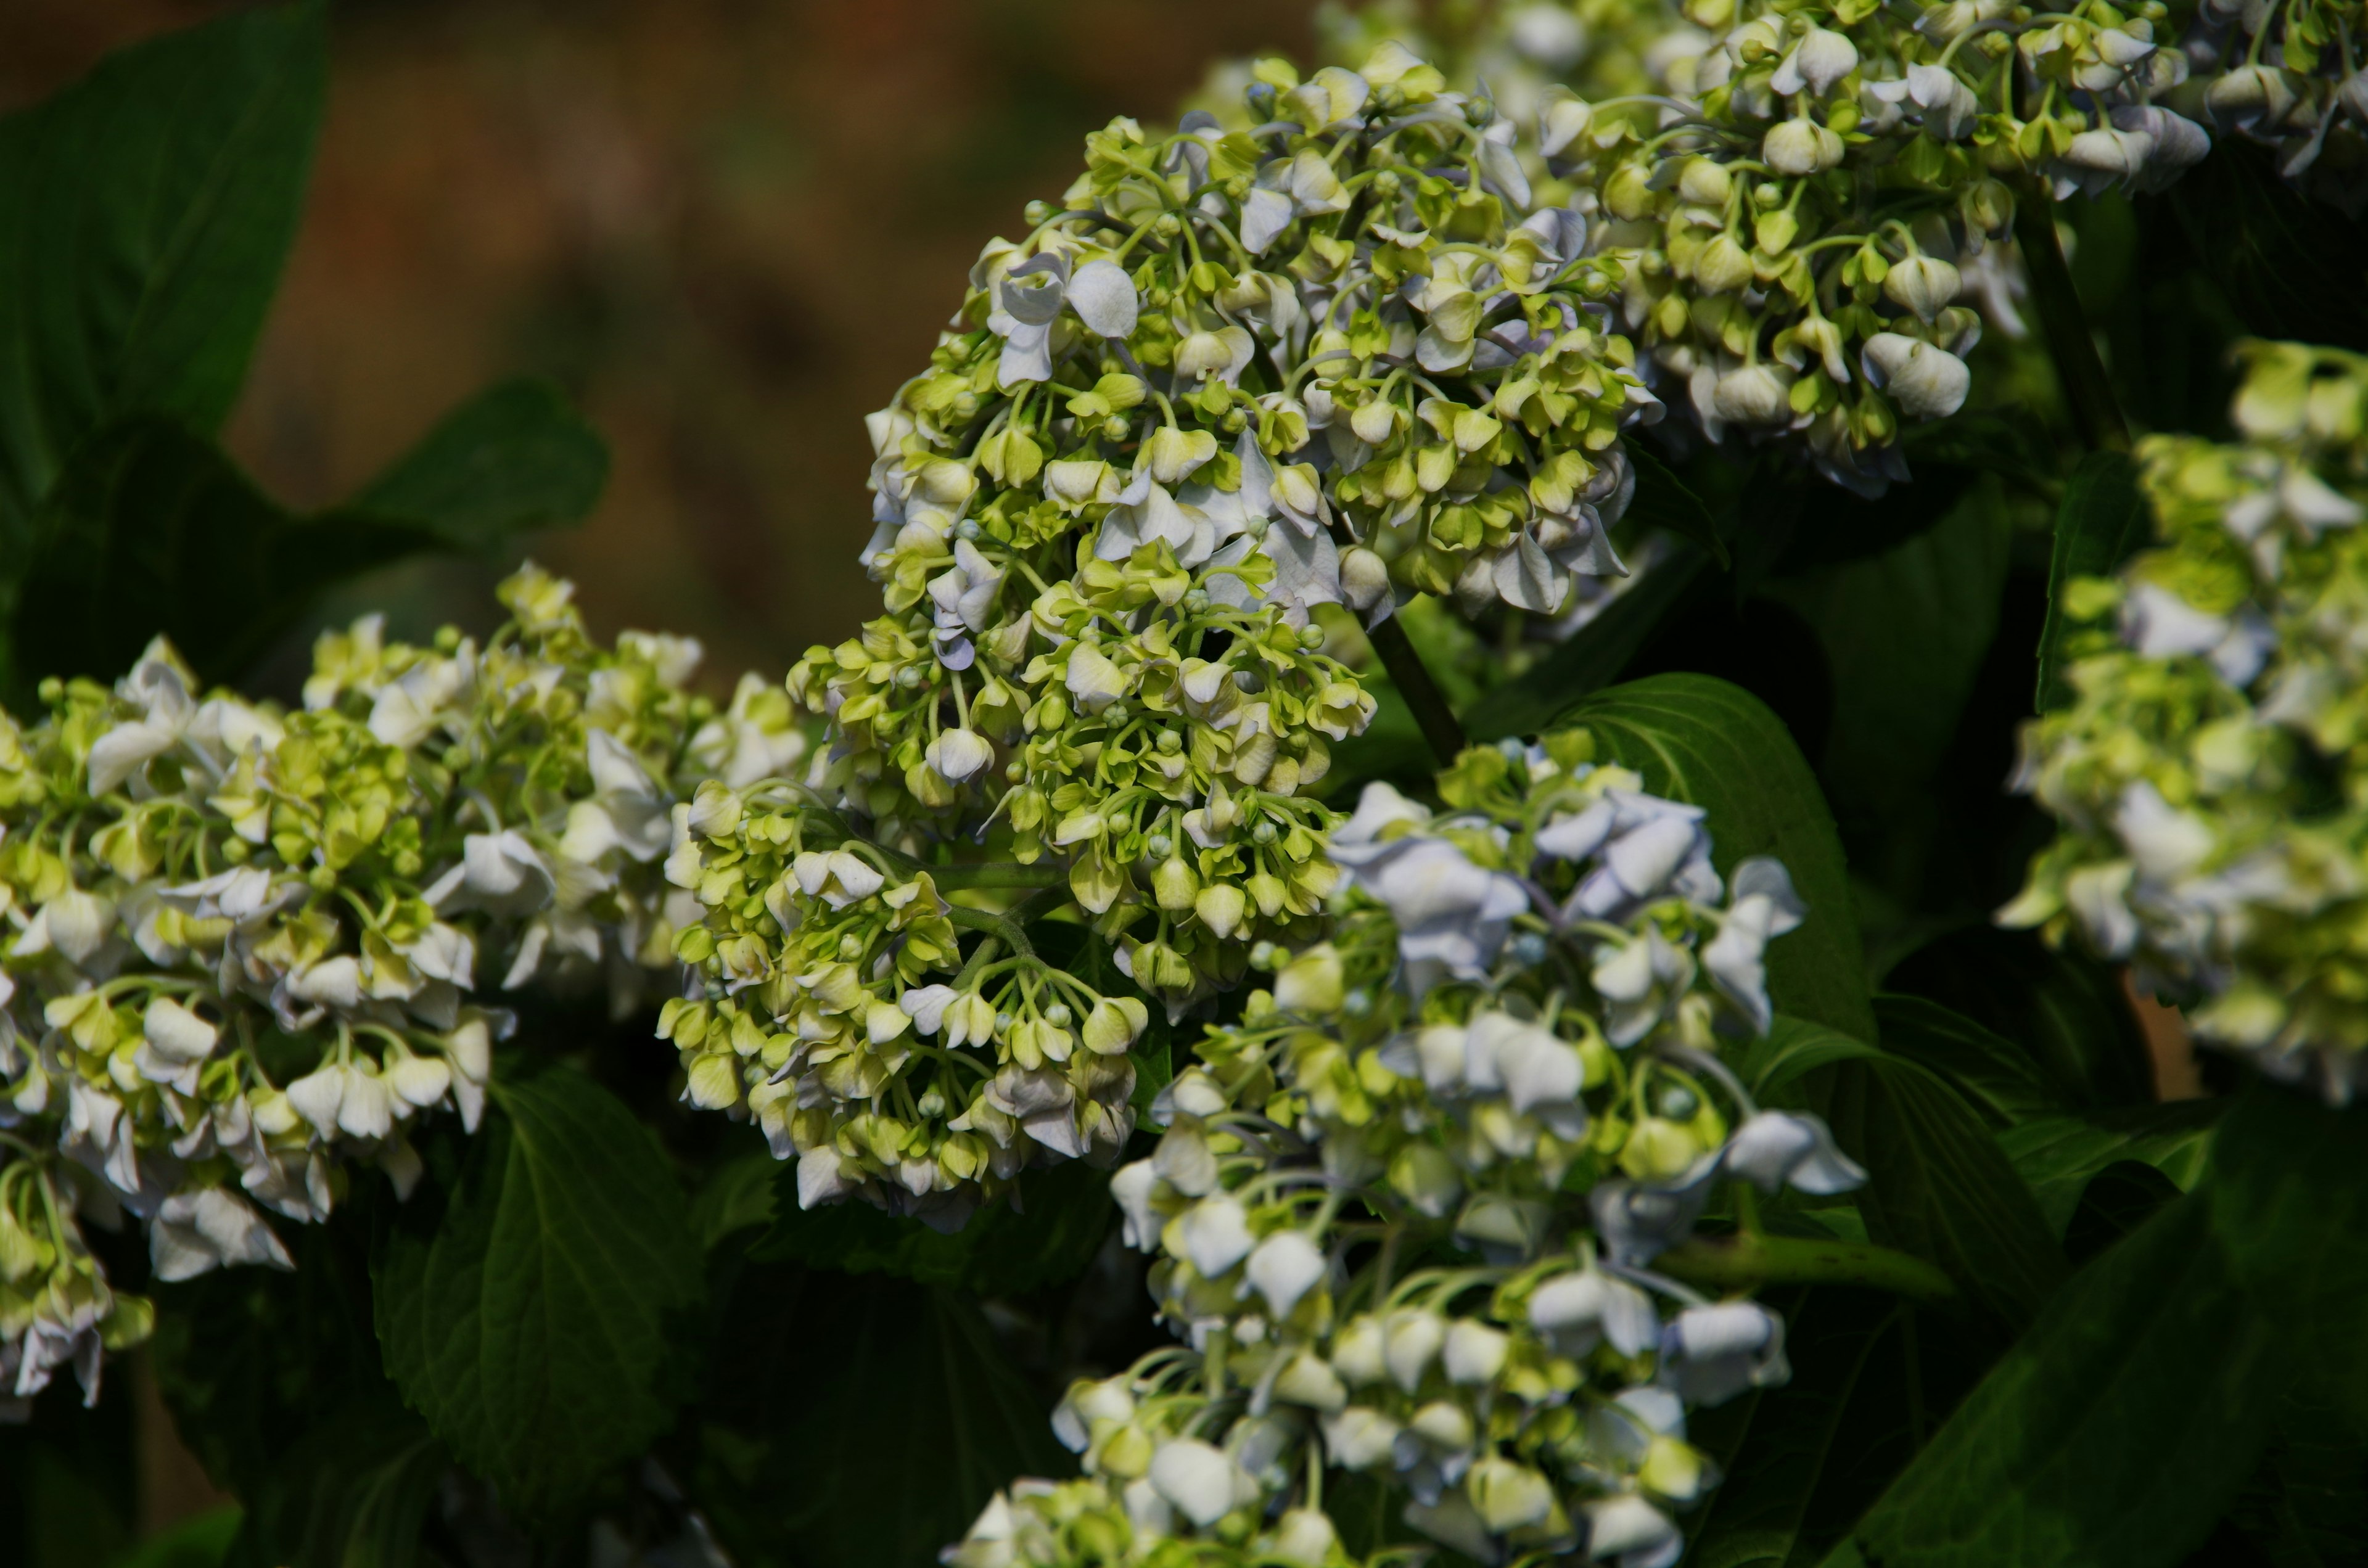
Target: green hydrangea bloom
(2211,772)
(246,949)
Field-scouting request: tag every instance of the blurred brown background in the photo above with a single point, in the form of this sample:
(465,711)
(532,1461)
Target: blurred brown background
(730,227)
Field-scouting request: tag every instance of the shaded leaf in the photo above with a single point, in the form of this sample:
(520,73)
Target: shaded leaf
(2117,1200)
(2291,265)
(2058,1157)
(1939,1188)
(353,1494)
(152,530)
(1699,740)
(145,214)
(530,1322)
(1997,1076)
(2102,520)
(1663,501)
(2289,1192)
(1792,1049)
(1001,1252)
(736,1196)
(1588,658)
(859,1421)
(1904,633)
(516,456)
(1804,1459)
(2065,1010)
(2306,1504)
(1937,1185)
(2115,1431)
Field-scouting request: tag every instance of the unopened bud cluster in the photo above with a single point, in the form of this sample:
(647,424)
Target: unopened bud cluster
(1406,1212)
(239,946)
(2211,772)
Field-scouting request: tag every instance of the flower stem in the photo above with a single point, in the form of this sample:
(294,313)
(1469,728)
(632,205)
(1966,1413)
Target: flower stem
(2077,369)
(1743,1261)
(1396,650)
(1437,720)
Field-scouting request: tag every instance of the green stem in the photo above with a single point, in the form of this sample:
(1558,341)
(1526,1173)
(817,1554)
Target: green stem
(1392,646)
(1742,1261)
(2077,369)
(993,925)
(1431,712)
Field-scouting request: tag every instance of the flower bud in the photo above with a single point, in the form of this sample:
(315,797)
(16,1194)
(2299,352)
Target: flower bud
(1801,147)
(1365,578)
(1922,284)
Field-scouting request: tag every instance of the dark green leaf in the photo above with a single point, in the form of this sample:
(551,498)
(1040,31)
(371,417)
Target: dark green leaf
(1701,740)
(1588,658)
(68,1479)
(1792,1049)
(532,1321)
(145,214)
(2292,265)
(2102,521)
(1938,1186)
(354,1494)
(1904,633)
(1803,1461)
(516,456)
(2117,1200)
(2065,1010)
(2115,1431)
(151,530)
(273,1382)
(2058,1157)
(1662,501)
(2289,1192)
(737,1196)
(1001,1252)
(1997,1076)
(858,1422)
(2306,1504)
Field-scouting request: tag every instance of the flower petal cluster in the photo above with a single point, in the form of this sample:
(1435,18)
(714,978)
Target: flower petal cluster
(1406,1212)
(242,951)
(2210,774)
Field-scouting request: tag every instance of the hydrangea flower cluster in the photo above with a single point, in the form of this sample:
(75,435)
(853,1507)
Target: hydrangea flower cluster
(2294,77)
(1801,205)
(1405,1214)
(2211,772)
(242,947)
(1330,358)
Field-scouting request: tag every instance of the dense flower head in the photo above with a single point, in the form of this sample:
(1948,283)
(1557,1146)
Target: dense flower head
(242,949)
(2210,771)
(1406,1212)
(1333,356)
